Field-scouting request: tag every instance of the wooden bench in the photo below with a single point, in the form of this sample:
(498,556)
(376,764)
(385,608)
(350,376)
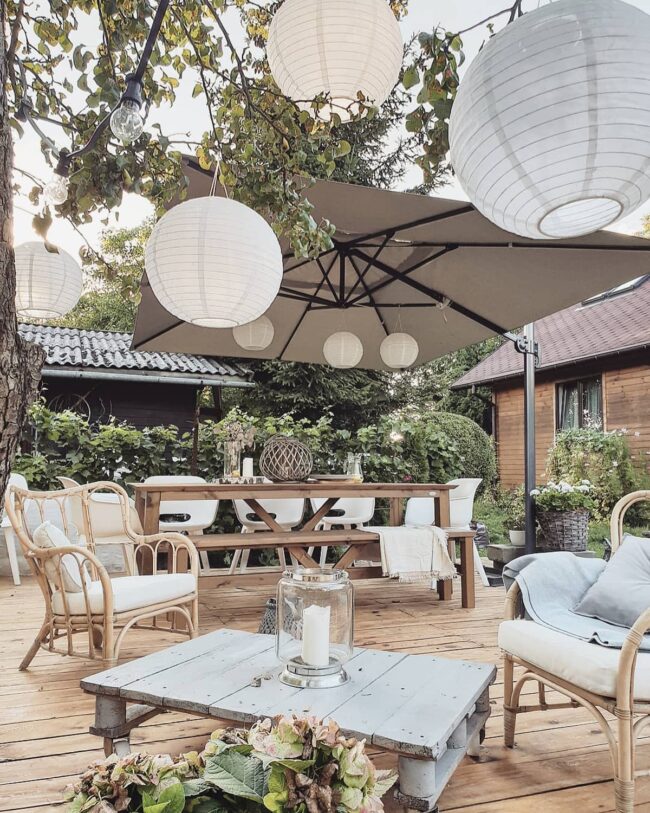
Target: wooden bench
(361,546)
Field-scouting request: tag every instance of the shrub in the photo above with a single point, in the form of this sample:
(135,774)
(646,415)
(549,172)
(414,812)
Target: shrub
(467,451)
(602,458)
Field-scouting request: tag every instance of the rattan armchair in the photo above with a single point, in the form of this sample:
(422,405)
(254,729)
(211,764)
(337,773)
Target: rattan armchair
(631,709)
(102,610)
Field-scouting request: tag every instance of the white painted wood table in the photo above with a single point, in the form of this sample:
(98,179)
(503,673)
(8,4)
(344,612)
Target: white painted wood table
(430,711)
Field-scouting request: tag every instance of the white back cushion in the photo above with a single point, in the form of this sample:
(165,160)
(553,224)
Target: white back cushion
(49,536)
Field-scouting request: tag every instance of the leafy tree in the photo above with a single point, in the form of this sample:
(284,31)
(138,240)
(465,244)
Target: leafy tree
(352,397)
(113,276)
(260,144)
(429,386)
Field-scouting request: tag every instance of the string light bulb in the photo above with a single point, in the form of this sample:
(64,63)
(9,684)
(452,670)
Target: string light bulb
(56,191)
(127,122)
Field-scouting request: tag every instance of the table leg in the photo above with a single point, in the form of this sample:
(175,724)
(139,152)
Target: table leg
(396,511)
(443,515)
(468,593)
(446,587)
(110,720)
(150,526)
(417,789)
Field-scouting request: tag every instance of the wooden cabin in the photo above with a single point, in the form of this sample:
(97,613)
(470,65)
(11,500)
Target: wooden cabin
(97,374)
(594,371)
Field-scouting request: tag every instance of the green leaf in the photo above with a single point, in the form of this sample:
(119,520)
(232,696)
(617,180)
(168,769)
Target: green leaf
(157,807)
(343,148)
(237,774)
(411,77)
(174,798)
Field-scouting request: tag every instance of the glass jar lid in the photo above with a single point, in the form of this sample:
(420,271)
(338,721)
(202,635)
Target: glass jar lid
(316,575)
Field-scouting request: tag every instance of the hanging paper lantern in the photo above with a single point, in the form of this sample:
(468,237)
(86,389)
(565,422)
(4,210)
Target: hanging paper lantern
(48,281)
(214,262)
(549,132)
(337,47)
(343,350)
(256,335)
(399,350)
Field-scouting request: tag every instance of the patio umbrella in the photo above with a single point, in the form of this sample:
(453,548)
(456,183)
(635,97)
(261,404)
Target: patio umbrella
(431,267)
(428,266)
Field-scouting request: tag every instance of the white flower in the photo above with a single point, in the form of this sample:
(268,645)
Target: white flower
(615,463)
(535,492)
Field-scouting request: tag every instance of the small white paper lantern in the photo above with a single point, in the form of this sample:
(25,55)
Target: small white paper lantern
(337,47)
(343,350)
(399,350)
(214,262)
(549,132)
(48,283)
(256,335)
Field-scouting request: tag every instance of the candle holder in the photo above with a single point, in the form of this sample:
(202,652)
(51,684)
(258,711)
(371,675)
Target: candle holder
(315,627)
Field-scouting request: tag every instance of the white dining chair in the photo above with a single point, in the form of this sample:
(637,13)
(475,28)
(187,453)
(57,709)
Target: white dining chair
(422,511)
(186,516)
(9,535)
(287,513)
(348,513)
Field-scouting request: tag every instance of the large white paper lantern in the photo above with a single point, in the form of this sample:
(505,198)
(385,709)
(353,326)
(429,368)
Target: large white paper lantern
(337,47)
(399,350)
(48,282)
(256,335)
(550,130)
(214,262)
(343,350)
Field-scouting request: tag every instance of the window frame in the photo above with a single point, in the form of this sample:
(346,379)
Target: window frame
(580,386)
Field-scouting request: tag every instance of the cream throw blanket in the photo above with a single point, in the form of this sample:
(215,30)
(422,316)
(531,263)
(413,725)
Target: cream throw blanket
(414,554)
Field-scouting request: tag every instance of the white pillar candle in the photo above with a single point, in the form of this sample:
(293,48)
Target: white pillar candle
(316,635)
(247,468)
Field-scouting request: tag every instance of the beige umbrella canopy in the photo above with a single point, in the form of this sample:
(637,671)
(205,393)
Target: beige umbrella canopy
(430,267)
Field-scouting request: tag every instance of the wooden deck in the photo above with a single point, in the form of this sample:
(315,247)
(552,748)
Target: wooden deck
(561,763)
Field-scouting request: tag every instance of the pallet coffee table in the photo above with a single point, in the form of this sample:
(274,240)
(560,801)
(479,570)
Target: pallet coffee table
(430,711)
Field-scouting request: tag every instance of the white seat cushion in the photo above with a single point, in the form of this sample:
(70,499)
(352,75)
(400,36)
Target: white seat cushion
(590,666)
(129,593)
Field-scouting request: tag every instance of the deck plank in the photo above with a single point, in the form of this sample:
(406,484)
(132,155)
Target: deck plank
(561,761)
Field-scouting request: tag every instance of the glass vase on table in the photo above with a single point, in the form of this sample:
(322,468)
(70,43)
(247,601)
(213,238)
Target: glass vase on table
(231,459)
(354,470)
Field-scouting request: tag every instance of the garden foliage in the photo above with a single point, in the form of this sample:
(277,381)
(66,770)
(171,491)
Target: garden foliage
(432,449)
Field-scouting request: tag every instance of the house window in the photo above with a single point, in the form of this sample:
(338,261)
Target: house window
(580,404)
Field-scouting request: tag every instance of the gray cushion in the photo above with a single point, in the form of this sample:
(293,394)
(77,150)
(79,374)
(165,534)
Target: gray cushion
(622,591)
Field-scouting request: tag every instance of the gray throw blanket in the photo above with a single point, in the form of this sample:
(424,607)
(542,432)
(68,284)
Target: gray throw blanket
(552,584)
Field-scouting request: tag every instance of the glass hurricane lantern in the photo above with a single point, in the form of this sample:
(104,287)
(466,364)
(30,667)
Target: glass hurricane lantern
(315,627)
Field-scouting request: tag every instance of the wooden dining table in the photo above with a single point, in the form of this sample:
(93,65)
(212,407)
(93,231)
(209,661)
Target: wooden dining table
(150,496)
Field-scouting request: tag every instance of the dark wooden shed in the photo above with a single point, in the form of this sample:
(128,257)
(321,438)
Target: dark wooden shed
(96,373)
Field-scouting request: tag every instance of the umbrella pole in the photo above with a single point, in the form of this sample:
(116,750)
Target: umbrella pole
(528,347)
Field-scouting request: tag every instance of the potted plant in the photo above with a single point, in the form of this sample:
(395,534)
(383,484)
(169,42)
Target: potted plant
(563,514)
(514,516)
(284,765)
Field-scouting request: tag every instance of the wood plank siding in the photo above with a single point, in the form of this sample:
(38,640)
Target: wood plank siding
(626,405)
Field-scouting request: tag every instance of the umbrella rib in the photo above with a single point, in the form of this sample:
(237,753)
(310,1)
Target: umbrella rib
(423,221)
(402,274)
(160,333)
(326,276)
(369,295)
(368,266)
(440,298)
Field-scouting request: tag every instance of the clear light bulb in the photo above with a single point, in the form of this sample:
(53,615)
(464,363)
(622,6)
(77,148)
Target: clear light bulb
(126,122)
(56,191)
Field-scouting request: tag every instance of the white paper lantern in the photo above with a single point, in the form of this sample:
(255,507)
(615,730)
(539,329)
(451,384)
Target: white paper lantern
(214,262)
(550,130)
(399,350)
(256,335)
(337,47)
(48,283)
(343,350)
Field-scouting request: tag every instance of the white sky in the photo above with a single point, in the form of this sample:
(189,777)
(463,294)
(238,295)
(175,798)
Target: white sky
(422,16)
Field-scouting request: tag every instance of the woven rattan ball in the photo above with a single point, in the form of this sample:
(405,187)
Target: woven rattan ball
(285,460)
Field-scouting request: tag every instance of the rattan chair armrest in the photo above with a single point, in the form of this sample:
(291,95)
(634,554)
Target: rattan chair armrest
(627,661)
(177,541)
(512,603)
(43,554)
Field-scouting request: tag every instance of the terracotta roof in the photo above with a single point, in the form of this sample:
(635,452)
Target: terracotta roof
(599,327)
(72,350)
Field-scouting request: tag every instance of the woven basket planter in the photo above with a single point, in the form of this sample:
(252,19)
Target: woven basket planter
(563,530)
(285,460)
